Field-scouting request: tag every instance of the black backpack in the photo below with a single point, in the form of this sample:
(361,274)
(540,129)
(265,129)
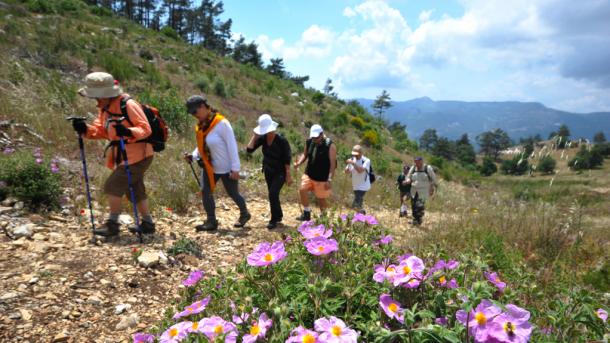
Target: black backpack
(159,129)
(371,172)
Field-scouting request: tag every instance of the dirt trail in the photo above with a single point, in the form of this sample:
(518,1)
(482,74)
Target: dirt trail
(57,286)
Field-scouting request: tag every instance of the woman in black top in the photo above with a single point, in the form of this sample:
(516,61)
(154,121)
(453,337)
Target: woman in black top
(276,163)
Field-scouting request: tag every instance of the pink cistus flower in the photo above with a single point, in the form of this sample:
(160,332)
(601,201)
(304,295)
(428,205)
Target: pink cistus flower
(266,254)
(451,284)
(321,246)
(392,308)
(193,278)
(512,326)
(306,224)
(8,151)
(39,161)
(478,320)
(258,329)
(194,308)
(303,335)
(215,327)
(602,314)
(343,217)
(143,338)
(315,231)
(334,330)
(385,240)
(385,272)
(495,280)
(176,333)
(442,321)
(364,218)
(408,270)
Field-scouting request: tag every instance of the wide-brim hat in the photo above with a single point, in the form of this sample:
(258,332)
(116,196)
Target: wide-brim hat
(356,150)
(100,85)
(265,125)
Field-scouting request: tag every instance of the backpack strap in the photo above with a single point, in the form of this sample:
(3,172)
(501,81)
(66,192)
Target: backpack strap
(124,100)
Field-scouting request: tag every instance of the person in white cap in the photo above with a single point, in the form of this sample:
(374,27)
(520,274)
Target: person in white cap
(423,183)
(360,167)
(276,163)
(134,129)
(321,156)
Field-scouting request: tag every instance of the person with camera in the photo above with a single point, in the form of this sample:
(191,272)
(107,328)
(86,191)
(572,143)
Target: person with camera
(360,167)
(321,156)
(276,163)
(217,149)
(405,190)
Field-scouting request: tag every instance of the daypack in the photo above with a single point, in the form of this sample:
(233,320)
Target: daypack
(372,176)
(159,129)
(413,170)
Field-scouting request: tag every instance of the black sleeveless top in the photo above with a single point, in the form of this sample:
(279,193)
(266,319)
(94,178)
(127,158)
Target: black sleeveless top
(318,159)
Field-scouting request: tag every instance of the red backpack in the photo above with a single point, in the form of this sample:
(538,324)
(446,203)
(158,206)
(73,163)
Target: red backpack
(160,130)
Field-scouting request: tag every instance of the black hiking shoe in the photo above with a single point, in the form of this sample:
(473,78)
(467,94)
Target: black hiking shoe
(305,216)
(272,225)
(109,229)
(209,225)
(147,228)
(243,219)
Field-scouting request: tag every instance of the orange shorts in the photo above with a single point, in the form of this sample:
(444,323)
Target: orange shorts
(317,187)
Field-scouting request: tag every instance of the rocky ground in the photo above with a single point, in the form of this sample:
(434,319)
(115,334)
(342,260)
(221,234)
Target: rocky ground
(56,286)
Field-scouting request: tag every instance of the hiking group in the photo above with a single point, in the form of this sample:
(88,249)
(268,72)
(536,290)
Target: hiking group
(136,131)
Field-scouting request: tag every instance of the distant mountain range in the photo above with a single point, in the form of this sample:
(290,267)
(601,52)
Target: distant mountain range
(519,119)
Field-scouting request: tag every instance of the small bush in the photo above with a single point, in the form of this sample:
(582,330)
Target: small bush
(117,65)
(40,6)
(370,138)
(357,122)
(170,33)
(101,11)
(185,246)
(517,166)
(547,165)
(488,167)
(239,129)
(147,55)
(220,89)
(587,159)
(30,180)
(203,84)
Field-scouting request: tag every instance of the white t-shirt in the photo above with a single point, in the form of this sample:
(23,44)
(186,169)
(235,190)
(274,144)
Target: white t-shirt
(361,181)
(223,148)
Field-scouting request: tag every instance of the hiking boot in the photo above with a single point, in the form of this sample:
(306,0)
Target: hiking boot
(146,227)
(272,225)
(209,225)
(109,229)
(243,219)
(305,216)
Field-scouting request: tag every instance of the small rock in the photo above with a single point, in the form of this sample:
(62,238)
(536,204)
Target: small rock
(88,275)
(125,219)
(25,314)
(10,201)
(33,280)
(61,337)
(26,230)
(8,296)
(4,209)
(36,218)
(94,300)
(14,315)
(119,309)
(149,258)
(128,322)
(19,206)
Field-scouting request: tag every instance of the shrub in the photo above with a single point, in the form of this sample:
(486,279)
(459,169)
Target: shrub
(547,165)
(170,33)
(370,138)
(101,11)
(318,98)
(29,179)
(220,89)
(147,55)
(40,6)
(488,167)
(203,84)
(171,107)
(587,159)
(516,166)
(117,65)
(185,246)
(239,129)
(357,122)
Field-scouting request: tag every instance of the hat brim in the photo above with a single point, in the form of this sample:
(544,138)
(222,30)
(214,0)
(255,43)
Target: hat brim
(262,130)
(354,152)
(100,93)
(315,134)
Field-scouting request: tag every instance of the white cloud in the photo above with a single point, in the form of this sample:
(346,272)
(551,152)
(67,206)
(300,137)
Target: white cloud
(316,42)
(349,12)
(424,16)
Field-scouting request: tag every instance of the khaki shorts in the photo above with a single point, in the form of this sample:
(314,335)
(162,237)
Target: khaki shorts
(117,183)
(317,187)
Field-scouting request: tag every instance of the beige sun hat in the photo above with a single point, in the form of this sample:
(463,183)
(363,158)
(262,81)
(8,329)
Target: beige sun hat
(100,85)
(265,125)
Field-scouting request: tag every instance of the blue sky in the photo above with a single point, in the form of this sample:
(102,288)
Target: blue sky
(552,51)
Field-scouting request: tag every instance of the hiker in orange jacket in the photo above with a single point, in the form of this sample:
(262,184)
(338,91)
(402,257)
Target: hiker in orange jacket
(217,149)
(103,88)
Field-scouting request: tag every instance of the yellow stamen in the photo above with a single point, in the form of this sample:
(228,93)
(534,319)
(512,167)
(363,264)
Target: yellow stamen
(316,235)
(480,318)
(391,270)
(268,258)
(195,326)
(406,270)
(442,279)
(308,339)
(255,330)
(173,333)
(218,329)
(320,249)
(336,331)
(189,309)
(393,308)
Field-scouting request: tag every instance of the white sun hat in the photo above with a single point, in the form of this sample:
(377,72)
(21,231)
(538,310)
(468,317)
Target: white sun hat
(265,125)
(315,131)
(100,85)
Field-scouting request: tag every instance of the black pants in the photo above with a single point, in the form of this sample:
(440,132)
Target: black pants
(358,200)
(231,186)
(275,182)
(418,207)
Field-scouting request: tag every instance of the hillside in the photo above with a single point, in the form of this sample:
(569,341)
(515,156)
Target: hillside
(519,119)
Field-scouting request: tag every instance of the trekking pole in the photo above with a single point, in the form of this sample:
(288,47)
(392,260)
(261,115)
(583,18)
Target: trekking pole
(81,146)
(131,191)
(195,173)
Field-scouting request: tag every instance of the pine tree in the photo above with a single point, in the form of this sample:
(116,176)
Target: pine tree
(276,67)
(382,102)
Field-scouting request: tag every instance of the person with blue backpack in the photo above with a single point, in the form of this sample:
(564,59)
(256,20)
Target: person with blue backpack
(360,168)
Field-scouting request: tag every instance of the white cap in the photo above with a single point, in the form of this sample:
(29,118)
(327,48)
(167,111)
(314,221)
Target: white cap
(265,125)
(315,131)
